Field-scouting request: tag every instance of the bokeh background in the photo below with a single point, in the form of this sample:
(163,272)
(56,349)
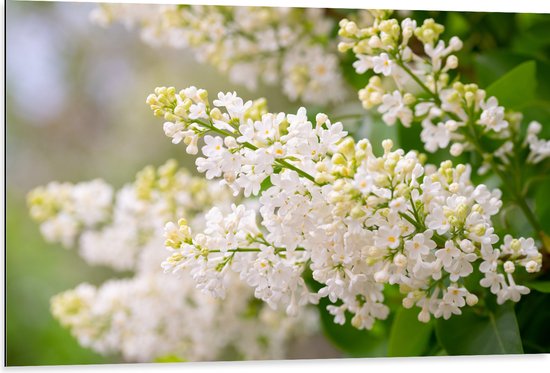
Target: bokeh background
(75,106)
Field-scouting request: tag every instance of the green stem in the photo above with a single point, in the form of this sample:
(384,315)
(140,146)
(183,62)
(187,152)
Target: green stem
(254,250)
(401,64)
(280,162)
(304,174)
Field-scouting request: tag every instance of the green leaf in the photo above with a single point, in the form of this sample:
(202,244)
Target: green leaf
(456,24)
(517,87)
(493,331)
(541,286)
(542,205)
(408,336)
(409,137)
(490,66)
(533,314)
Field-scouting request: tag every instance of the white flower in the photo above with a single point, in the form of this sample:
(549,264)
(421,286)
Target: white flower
(448,254)
(175,131)
(511,292)
(226,99)
(363,63)
(63,228)
(420,245)
(490,260)
(437,221)
(455,296)
(388,237)
(435,136)
(198,111)
(214,146)
(493,280)
(394,108)
(492,115)
(446,309)
(382,64)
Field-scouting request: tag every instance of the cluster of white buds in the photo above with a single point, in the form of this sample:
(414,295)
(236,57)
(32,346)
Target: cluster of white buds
(151,315)
(327,203)
(416,86)
(287,46)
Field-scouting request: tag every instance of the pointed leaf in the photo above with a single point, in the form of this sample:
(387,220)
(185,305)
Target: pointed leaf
(517,87)
(408,336)
(540,286)
(495,331)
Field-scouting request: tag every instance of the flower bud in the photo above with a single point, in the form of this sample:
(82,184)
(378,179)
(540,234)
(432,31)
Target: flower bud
(357,212)
(455,43)
(471,299)
(408,99)
(532,266)
(381,276)
(387,145)
(451,63)
(338,159)
(400,260)
(424,316)
(407,302)
(351,28)
(515,245)
(320,119)
(347,147)
(456,149)
(230,142)
(509,267)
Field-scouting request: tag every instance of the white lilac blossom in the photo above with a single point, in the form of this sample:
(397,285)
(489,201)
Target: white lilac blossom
(328,204)
(538,149)
(290,46)
(63,209)
(150,315)
(418,86)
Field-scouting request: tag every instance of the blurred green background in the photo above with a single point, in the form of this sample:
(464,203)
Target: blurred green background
(75,106)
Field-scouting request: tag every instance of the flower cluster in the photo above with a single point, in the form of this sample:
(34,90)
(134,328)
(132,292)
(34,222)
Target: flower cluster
(538,149)
(63,209)
(151,315)
(273,272)
(358,221)
(419,86)
(253,143)
(289,46)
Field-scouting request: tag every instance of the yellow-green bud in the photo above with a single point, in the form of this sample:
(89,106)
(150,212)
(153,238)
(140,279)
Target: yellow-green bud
(515,245)
(215,114)
(338,159)
(408,99)
(347,147)
(357,212)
